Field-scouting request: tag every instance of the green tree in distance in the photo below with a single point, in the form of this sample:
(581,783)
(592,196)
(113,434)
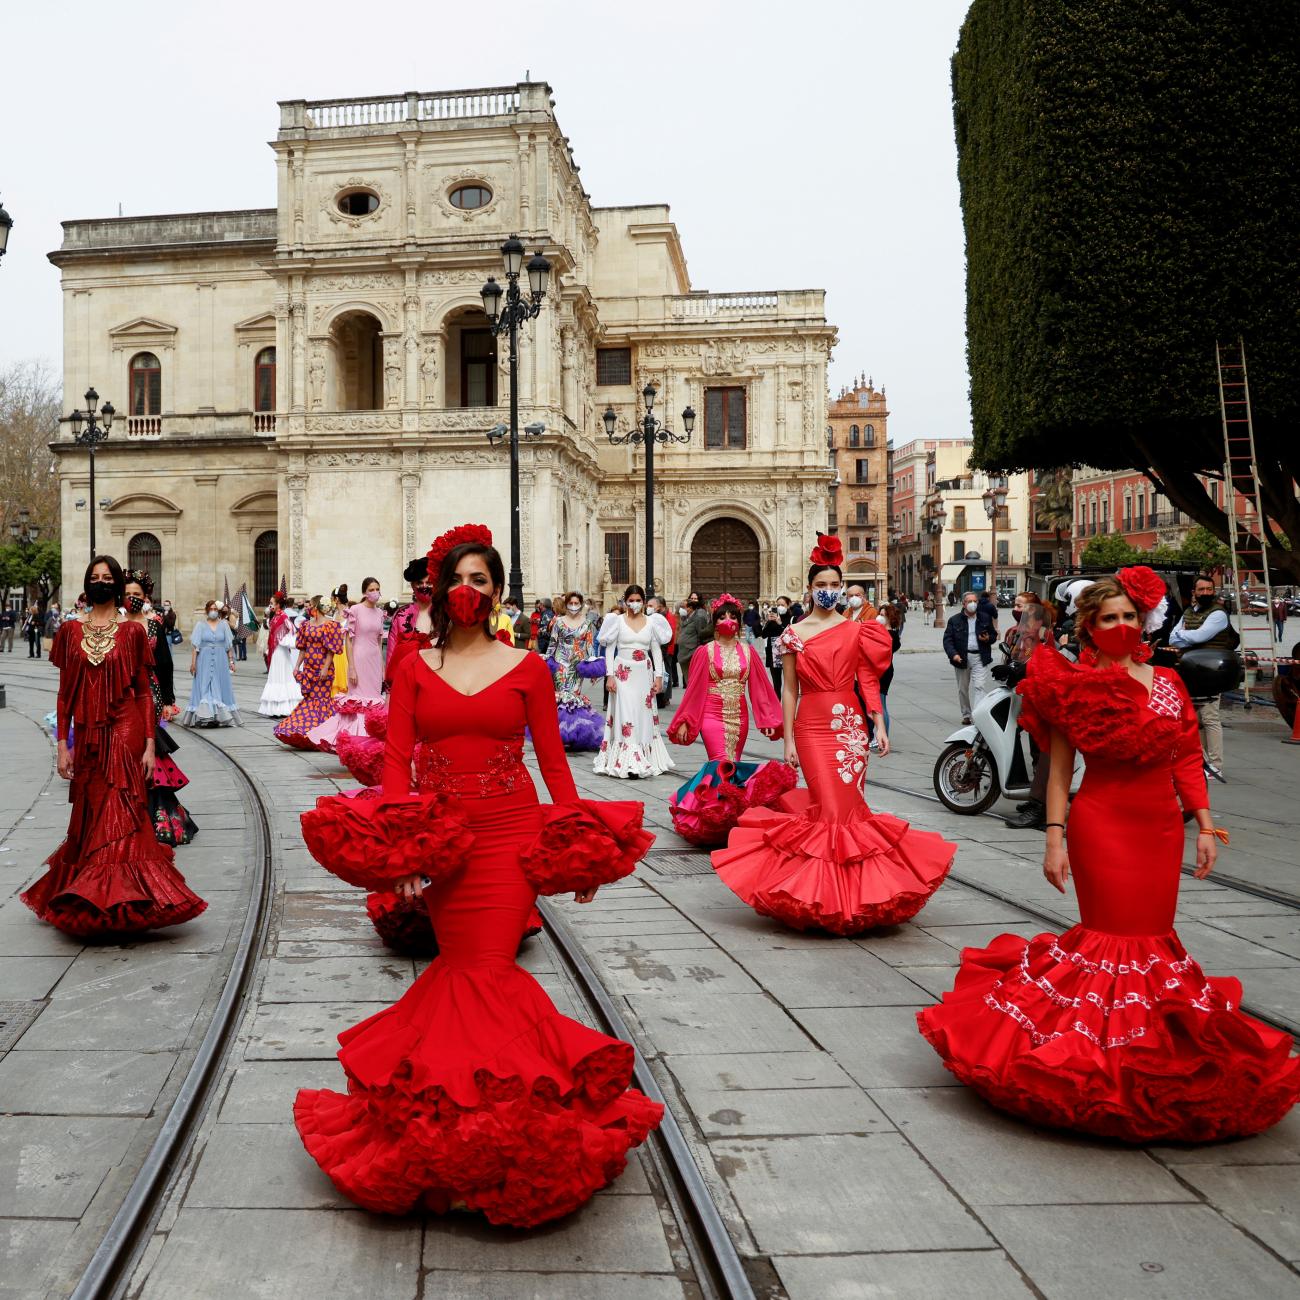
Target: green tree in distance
(1129,189)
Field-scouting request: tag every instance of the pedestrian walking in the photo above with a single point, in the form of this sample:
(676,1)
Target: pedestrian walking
(968,643)
(1204,625)
(775,621)
(888,618)
(50,626)
(1279,618)
(110,876)
(8,621)
(658,605)
(31,631)
(692,632)
(212,661)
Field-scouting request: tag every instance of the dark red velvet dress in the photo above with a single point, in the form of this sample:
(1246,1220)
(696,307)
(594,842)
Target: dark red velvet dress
(1111,1028)
(110,876)
(821,858)
(472,1090)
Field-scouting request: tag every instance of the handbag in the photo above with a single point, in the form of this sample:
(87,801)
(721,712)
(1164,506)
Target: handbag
(664,698)
(175,637)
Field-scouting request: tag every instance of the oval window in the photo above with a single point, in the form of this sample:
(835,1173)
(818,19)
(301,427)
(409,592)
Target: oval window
(358,203)
(471,196)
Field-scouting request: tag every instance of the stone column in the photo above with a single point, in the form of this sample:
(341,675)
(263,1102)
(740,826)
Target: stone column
(298,345)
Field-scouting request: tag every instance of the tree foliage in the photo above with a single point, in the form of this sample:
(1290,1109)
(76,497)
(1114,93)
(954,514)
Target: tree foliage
(35,568)
(29,415)
(1129,189)
(1111,551)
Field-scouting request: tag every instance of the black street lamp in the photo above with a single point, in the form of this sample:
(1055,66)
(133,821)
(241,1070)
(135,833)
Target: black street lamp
(647,433)
(90,437)
(6,225)
(507,320)
(24,534)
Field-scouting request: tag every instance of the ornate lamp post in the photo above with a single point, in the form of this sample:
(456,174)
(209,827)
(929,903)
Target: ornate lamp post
(90,437)
(936,515)
(647,433)
(25,535)
(995,497)
(517,310)
(6,225)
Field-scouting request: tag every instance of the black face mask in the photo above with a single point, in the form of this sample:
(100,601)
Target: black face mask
(134,604)
(100,593)
(1015,615)
(1204,602)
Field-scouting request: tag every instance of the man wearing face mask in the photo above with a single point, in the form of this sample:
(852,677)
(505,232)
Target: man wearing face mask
(857,607)
(693,631)
(1205,626)
(968,643)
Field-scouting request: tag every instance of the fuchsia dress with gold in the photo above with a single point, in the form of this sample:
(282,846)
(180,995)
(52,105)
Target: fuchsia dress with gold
(820,858)
(472,1091)
(1111,1028)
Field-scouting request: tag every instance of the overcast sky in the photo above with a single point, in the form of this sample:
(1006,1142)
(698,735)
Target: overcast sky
(799,145)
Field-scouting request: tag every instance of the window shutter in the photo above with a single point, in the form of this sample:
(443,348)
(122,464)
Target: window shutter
(713,417)
(736,418)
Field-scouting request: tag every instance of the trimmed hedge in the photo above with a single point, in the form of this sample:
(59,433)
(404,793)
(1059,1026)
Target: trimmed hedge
(1130,180)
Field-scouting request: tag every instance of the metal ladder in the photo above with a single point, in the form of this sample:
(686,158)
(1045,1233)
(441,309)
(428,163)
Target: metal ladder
(1243,506)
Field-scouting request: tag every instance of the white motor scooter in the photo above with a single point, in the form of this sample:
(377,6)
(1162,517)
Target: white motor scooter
(990,758)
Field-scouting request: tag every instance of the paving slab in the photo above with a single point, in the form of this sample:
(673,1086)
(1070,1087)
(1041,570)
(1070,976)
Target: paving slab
(695,1021)
(262,1092)
(1260,1198)
(27,1246)
(32,977)
(1156,1252)
(769,1112)
(639,970)
(843,1194)
(51,1166)
(851,978)
(879,1047)
(550,1286)
(82,1083)
(741,1073)
(287,1255)
(963,1274)
(336,979)
(1280,1145)
(259,1166)
(303,1030)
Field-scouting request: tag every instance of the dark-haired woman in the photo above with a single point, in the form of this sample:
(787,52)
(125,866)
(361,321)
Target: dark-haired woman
(472,1091)
(320,641)
(110,876)
(1111,1028)
(821,858)
(281,694)
(212,661)
(634,675)
(363,630)
(412,625)
(172,824)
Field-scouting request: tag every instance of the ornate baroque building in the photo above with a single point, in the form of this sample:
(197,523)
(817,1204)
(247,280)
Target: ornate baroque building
(857,429)
(306,390)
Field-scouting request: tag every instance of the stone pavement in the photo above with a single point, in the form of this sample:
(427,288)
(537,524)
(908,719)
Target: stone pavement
(837,1146)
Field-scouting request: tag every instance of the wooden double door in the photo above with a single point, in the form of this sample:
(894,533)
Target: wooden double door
(725,557)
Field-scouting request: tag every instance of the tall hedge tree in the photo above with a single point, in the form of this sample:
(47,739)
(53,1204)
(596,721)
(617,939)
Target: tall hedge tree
(1130,187)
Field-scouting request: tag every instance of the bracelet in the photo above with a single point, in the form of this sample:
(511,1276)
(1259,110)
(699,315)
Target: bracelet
(1047,825)
(1209,832)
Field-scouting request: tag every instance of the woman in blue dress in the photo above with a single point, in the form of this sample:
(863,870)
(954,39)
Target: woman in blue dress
(212,661)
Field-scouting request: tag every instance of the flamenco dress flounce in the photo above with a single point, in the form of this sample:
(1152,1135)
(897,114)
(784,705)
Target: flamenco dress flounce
(1118,1035)
(472,1091)
(707,807)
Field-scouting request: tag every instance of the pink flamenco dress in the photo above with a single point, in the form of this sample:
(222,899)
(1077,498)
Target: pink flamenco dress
(110,877)
(727,681)
(820,858)
(472,1091)
(317,638)
(365,625)
(1111,1028)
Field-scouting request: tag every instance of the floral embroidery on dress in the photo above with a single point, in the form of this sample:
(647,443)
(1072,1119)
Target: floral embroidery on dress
(626,729)
(638,656)
(622,672)
(852,758)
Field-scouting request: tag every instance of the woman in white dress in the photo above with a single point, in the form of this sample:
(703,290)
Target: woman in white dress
(634,668)
(281,694)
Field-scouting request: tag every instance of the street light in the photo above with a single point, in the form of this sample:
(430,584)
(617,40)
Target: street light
(24,535)
(937,514)
(517,310)
(90,437)
(647,433)
(6,225)
(995,497)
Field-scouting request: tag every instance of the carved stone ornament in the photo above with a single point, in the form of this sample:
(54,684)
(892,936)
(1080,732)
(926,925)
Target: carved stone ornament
(723,358)
(441,184)
(432,459)
(351,459)
(357,282)
(454,275)
(350,422)
(336,192)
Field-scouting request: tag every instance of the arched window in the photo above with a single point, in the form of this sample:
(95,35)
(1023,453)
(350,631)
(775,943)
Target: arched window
(264,380)
(266,560)
(144,551)
(853,435)
(869,435)
(146,384)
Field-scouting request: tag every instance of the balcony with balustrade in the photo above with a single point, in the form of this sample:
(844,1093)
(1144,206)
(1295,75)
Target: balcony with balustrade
(418,110)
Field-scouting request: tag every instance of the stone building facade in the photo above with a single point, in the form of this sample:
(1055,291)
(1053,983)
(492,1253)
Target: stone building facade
(305,391)
(857,430)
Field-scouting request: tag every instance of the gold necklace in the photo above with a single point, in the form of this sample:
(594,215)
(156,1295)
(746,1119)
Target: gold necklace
(97,641)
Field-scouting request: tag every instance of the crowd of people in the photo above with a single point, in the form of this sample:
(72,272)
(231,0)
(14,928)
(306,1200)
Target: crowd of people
(473,1091)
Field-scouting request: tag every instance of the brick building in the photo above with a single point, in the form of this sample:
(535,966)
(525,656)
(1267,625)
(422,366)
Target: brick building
(857,425)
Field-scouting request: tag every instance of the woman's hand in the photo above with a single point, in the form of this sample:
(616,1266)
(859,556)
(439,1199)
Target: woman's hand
(882,736)
(769,732)
(585,896)
(791,754)
(1207,854)
(611,683)
(232,665)
(193,666)
(409,886)
(147,761)
(1056,866)
(65,761)
(352,679)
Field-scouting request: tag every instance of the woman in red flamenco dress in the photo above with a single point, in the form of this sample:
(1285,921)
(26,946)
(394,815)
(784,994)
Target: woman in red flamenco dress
(110,876)
(1111,1028)
(472,1091)
(820,858)
(320,639)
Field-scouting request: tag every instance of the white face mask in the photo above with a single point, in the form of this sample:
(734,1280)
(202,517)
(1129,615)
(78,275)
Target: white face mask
(575,609)
(855,602)
(213,615)
(146,607)
(970,606)
(681,609)
(633,606)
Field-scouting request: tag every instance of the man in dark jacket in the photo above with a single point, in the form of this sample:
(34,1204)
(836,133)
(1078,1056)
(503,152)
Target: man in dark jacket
(694,631)
(968,643)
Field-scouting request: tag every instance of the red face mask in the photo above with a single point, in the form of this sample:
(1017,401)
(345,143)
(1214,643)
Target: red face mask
(728,626)
(467,605)
(1117,641)
(423,595)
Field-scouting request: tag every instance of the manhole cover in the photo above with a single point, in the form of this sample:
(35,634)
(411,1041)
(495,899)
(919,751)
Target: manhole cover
(15,1019)
(680,862)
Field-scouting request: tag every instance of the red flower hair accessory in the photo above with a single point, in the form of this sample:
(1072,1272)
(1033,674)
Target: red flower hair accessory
(480,534)
(1146,589)
(828,553)
(725,599)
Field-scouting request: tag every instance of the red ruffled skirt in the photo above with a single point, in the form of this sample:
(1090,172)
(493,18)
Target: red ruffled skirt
(1116,1035)
(845,874)
(473,1092)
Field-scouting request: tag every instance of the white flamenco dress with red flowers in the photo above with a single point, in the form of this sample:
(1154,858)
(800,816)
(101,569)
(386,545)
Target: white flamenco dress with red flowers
(632,745)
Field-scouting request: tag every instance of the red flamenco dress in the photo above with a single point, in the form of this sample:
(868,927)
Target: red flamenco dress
(316,638)
(1111,1028)
(472,1091)
(820,858)
(110,876)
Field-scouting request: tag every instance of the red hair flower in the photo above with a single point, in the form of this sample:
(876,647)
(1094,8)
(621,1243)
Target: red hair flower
(828,553)
(442,546)
(1146,589)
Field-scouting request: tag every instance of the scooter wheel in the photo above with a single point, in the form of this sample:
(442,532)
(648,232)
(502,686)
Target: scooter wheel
(965,779)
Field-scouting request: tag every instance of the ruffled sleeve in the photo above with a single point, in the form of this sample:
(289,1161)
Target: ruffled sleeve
(350,622)
(789,642)
(1098,710)
(332,636)
(585,844)
(875,653)
(690,712)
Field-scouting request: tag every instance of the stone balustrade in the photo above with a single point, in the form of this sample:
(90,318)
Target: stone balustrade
(298,115)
